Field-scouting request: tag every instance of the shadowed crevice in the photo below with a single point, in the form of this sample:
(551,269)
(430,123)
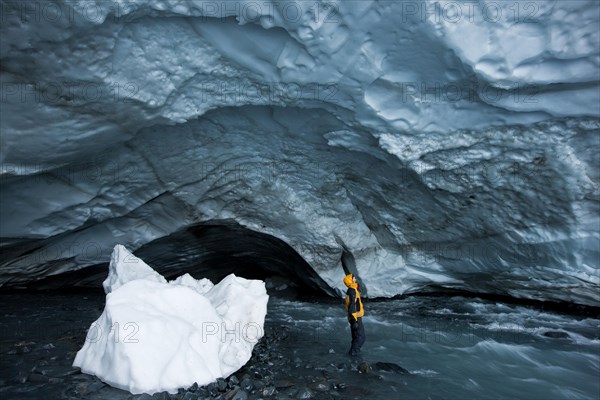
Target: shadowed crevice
(210,250)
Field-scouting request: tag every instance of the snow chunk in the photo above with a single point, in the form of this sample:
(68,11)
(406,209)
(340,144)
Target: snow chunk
(155,336)
(199,285)
(125,267)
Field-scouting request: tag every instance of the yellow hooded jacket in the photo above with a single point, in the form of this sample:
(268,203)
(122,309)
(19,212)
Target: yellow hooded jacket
(359,306)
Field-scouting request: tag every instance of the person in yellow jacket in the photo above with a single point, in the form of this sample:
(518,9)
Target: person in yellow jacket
(355,310)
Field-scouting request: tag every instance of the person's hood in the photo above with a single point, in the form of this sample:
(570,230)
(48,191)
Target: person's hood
(348,281)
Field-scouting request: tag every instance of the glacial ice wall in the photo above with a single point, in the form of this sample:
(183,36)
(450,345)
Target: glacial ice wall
(433,143)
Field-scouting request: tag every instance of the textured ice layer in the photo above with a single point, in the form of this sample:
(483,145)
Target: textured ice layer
(155,336)
(432,143)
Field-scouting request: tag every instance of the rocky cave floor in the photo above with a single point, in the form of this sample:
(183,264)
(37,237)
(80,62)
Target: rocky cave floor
(40,336)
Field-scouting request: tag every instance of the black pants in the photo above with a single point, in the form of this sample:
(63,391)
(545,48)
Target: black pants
(358,336)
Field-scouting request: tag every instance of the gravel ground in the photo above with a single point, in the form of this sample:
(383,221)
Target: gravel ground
(41,333)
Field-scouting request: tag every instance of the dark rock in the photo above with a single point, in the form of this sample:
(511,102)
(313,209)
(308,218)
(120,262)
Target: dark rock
(233,387)
(364,367)
(69,371)
(38,378)
(356,392)
(229,395)
(258,386)
(190,396)
(194,387)
(212,389)
(85,388)
(41,363)
(305,393)
(246,376)
(161,396)
(283,384)
(145,396)
(233,380)
(321,387)
(236,394)
(95,386)
(247,384)
(268,391)
(221,385)
(390,367)
(268,380)
(556,334)
(71,392)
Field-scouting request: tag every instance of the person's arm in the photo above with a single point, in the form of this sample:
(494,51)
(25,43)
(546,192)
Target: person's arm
(352,306)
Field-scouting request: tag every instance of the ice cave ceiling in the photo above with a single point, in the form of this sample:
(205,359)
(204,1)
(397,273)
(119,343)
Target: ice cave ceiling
(425,143)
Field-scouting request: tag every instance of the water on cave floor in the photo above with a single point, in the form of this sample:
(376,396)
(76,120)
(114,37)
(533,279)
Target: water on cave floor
(453,347)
